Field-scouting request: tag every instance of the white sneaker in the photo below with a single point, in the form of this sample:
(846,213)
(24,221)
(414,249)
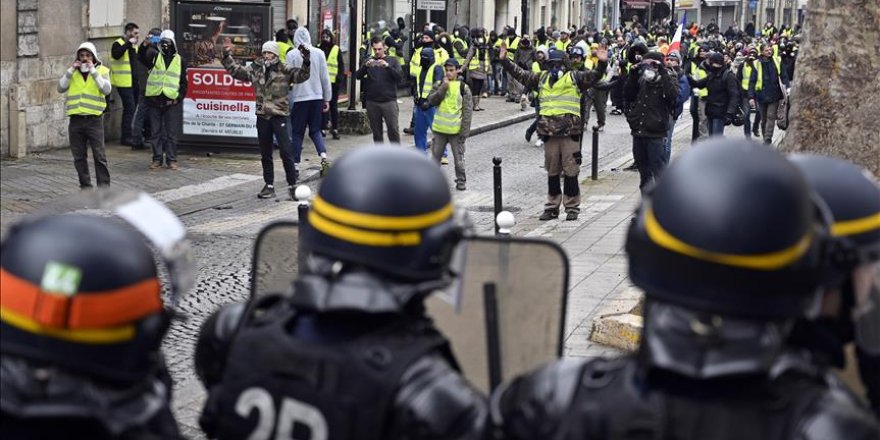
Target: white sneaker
(539,143)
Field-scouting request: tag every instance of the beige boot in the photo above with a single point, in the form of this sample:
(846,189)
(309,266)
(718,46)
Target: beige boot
(523,102)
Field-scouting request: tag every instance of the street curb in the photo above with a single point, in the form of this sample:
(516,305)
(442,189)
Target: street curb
(619,323)
(525,116)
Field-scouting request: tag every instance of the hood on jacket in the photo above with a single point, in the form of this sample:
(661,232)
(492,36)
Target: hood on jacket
(301,36)
(168,34)
(91,48)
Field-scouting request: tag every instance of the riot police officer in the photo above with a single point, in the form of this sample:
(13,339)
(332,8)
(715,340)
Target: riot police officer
(848,310)
(81,325)
(728,247)
(349,353)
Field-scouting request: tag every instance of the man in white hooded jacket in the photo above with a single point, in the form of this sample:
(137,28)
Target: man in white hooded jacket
(310,98)
(87,83)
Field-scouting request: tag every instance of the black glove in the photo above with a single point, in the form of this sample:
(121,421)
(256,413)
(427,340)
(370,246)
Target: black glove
(728,119)
(423,105)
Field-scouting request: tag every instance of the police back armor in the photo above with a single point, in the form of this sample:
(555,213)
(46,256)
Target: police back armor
(276,385)
(611,399)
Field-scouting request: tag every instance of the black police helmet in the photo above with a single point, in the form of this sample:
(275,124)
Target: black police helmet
(730,228)
(388,209)
(853,198)
(81,292)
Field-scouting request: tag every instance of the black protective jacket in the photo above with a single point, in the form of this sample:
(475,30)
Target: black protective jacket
(651,105)
(723,97)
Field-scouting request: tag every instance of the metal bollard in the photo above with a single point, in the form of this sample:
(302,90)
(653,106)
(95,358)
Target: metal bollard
(302,194)
(504,222)
(496,179)
(595,165)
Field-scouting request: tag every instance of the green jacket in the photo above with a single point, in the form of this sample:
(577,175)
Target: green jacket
(270,90)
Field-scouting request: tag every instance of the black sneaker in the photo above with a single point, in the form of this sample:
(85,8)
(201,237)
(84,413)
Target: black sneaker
(267,192)
(292,191)
(549,214)
(335,134)
(460,186)
(408,130)
(571,215)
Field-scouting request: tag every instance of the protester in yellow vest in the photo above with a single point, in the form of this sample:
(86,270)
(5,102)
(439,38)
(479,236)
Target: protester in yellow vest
(336,69)
(428,74)
(166,88)
(452,121)
(478,62)
(748,80)
(87,83)
(563,41)
(283,40)
(560,125)
(122,53)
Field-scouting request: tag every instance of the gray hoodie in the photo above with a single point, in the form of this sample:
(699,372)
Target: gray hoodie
(318,85)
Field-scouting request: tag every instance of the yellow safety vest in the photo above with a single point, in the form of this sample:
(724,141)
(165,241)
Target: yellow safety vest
(283,48)
(563,98)
(414,63)
(759,83)
(561,45)
(699,74)
(392,52)
(120,70)
(440,55)
(447,120)
(458,56)
(512,48)
(426,88)
(83,96)
(536,67)
(747,76)
(475,60)
(333,63)
(164,81)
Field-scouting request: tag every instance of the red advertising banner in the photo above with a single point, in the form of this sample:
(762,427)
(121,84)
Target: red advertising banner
(217,104)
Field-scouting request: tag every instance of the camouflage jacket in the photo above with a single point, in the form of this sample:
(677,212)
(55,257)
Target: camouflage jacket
(563,125)
(270,84)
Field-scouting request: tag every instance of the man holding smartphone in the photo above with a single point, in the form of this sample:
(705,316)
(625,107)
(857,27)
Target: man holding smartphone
(87,83)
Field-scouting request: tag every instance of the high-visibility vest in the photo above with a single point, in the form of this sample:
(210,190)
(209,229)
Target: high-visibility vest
(392,52)
(283,48)
(333,63)
(562,45)
(428,85)
(120,70)
(440,55)
(476,61)
(759,83)
(447,120)
(512,47)
(83,96)
(458,56)
(747,76)
(562,98)
(699,74)
(164,81)
(536,67)
(415,63)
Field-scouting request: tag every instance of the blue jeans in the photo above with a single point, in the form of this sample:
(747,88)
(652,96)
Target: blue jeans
(307,114)
(128,95)
(716,127)
(667,144)
(648,154)
(266,128)
(141,118)
(424,119)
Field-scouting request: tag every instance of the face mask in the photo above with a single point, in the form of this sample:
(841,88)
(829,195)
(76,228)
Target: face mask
(271,62)
(556,71)
(426,61)
(649,75)
(84,68)
(590,40)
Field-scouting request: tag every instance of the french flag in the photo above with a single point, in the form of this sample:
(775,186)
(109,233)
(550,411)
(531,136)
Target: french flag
(675,45)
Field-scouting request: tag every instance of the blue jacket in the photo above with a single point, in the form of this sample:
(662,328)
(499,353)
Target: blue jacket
(684,94)
(770,91)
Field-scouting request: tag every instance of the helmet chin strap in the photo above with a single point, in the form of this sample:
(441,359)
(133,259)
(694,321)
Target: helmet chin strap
(708,346)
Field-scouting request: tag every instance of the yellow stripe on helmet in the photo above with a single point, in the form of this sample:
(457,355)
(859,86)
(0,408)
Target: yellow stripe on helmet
(360,236)
(87,336)
(768,261)
(857,226)
(381,222)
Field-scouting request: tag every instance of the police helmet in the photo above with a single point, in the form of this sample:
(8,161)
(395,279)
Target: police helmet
(556,55)
(82,292)
(731,228)
(387,209)
(853,198)
(576,51)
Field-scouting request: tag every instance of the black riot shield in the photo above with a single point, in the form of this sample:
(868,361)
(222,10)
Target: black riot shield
(276,259)
(507,316)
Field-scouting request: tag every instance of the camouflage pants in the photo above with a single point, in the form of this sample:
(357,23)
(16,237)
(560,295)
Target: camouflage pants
(560,157)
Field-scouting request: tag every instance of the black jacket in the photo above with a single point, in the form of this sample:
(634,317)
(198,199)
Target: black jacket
(723,96)
(380,83)
(652,104)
